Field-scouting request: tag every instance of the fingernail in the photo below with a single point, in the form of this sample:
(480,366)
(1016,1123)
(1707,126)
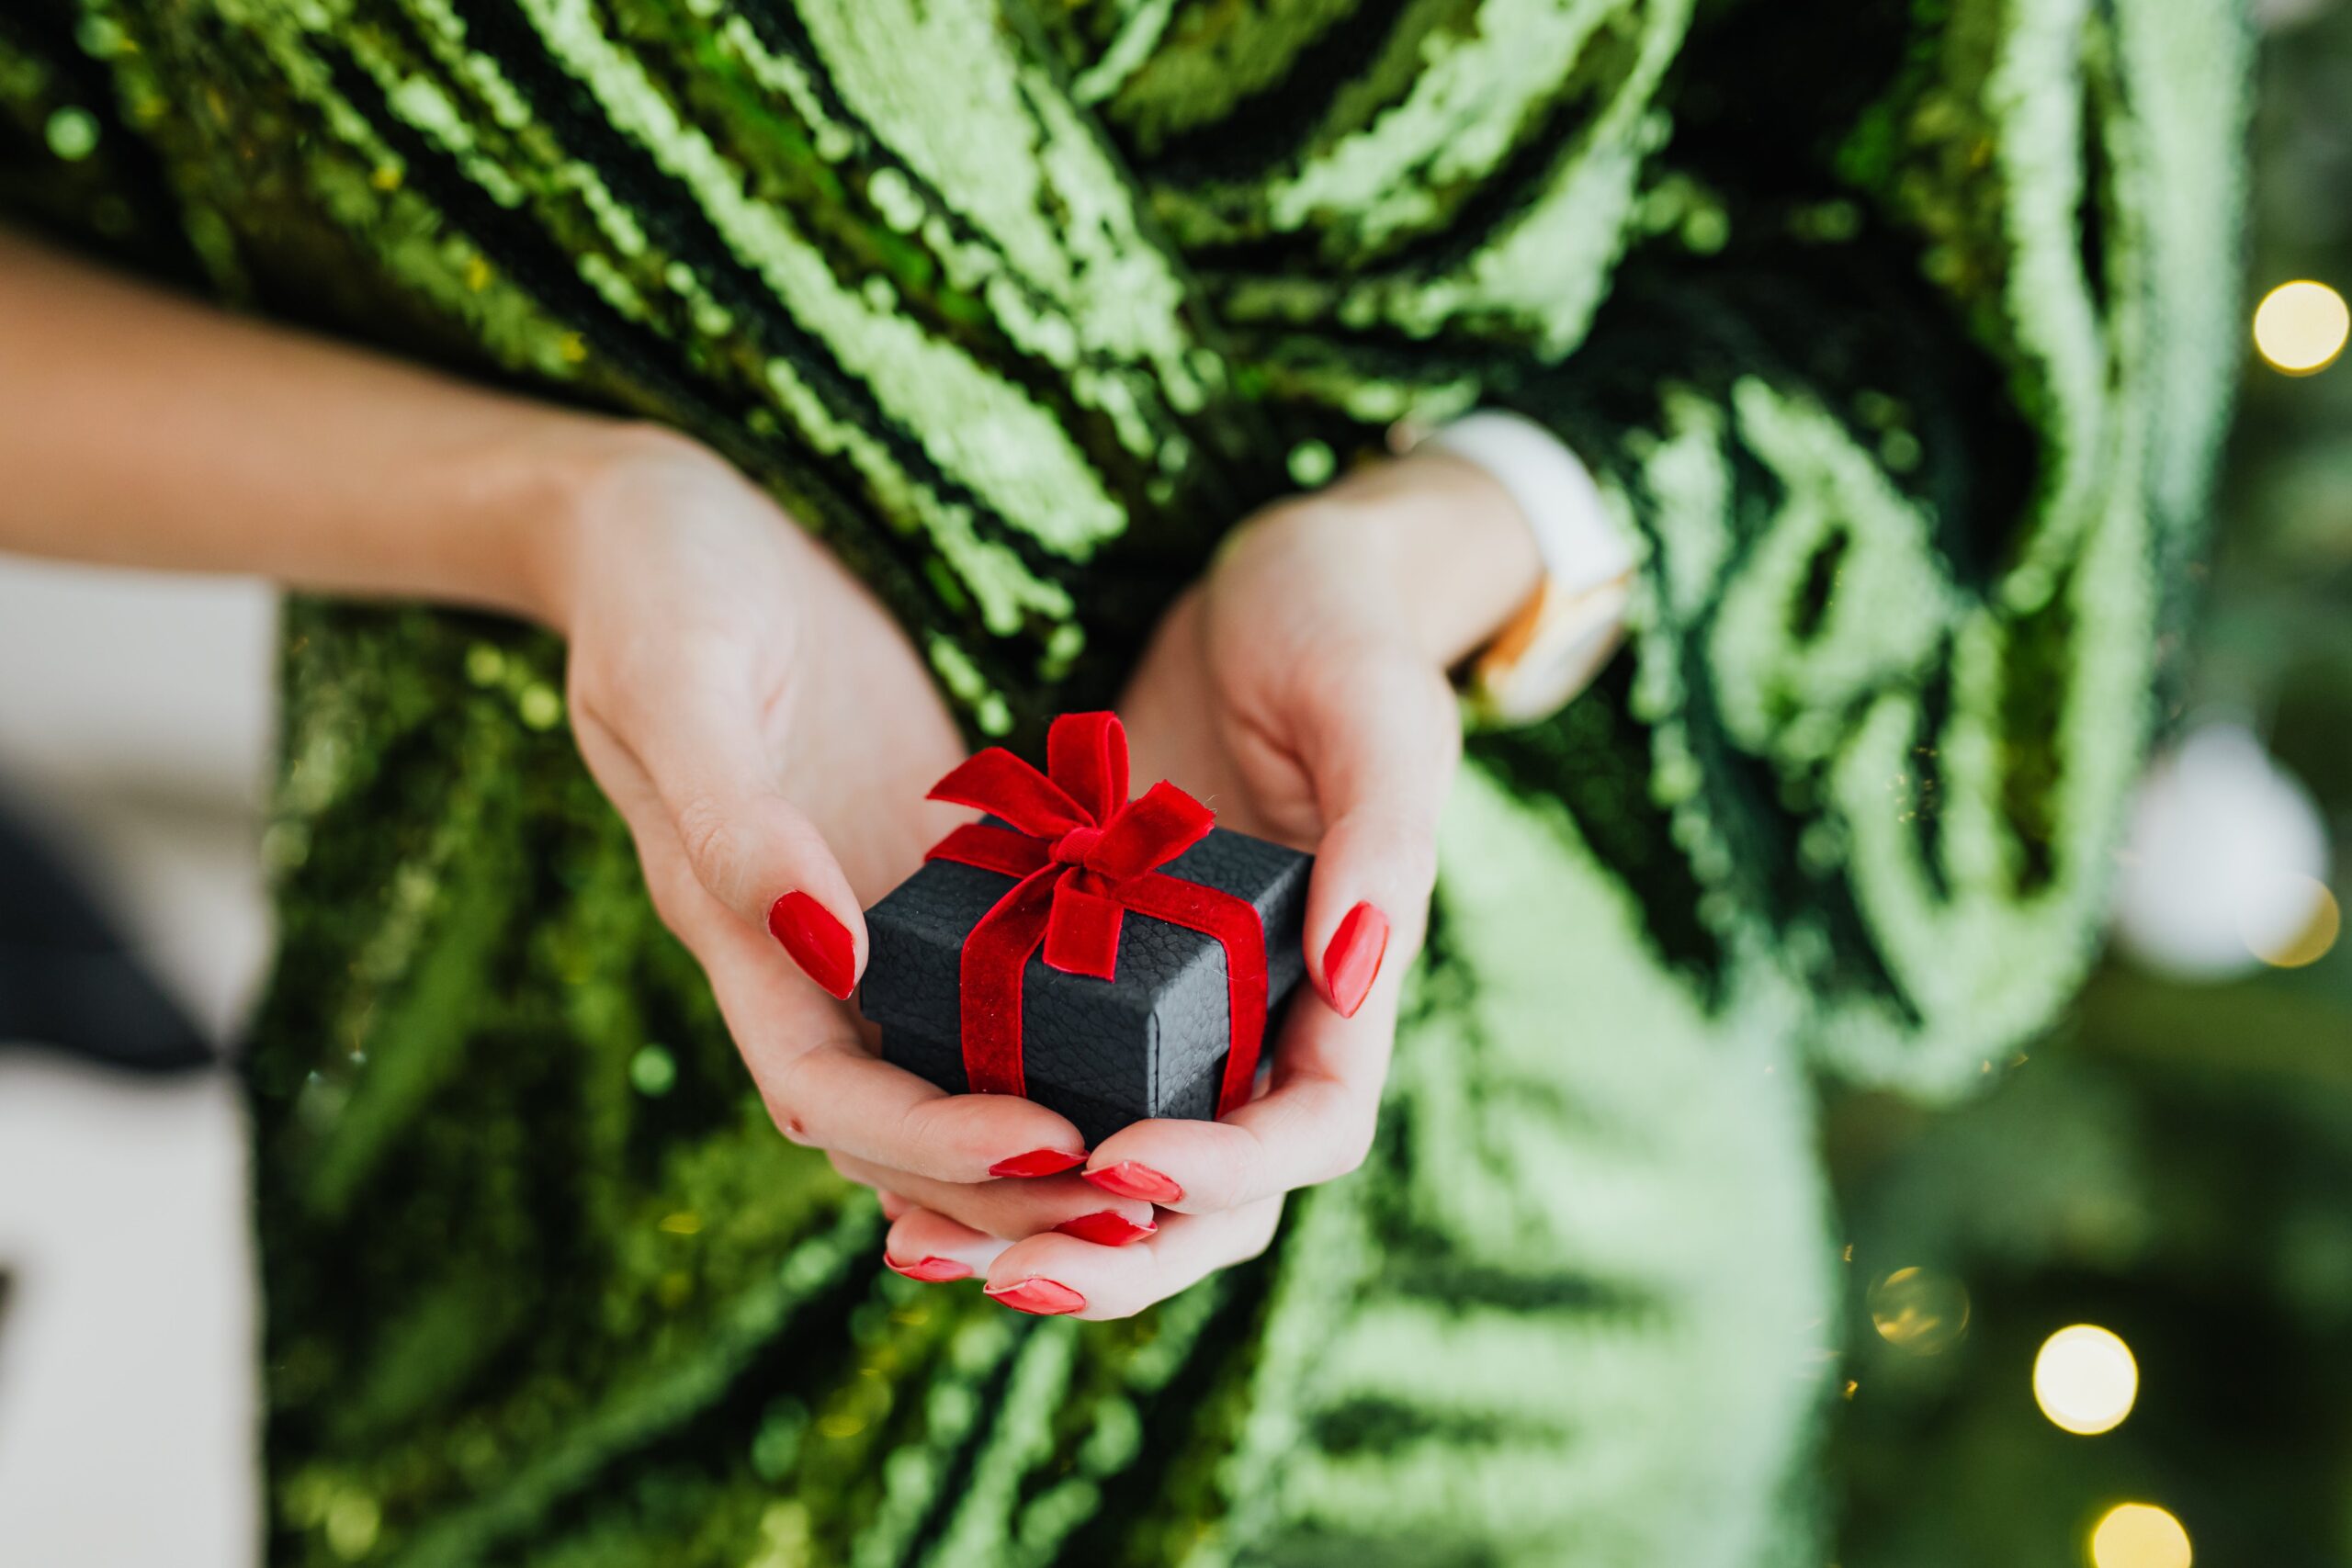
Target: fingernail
(1106,1228)
(1038,1162)
(1128,1179)
(1353,961)
(930,1270)
(1046,1298)
(818,942)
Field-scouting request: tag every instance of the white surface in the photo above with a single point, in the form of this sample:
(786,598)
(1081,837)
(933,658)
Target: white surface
(135,681)
(128,1407)
(135,718)
(136,713)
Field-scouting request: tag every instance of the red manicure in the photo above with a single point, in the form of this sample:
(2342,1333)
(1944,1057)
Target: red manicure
(1353,961)
(1106,1228)
(930,1270)
(1044,1297)
(818,942)
(1038,1162)
(1128,1179)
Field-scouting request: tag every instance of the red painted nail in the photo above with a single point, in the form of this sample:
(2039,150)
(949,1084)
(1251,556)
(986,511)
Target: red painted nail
(930,1270)
(1046,1298)
(1128,1179)
(1106,1228)
(1038,1162)
(1353,961)
(818,942)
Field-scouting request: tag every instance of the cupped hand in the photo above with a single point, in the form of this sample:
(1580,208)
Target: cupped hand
(769,735)
(1300,690)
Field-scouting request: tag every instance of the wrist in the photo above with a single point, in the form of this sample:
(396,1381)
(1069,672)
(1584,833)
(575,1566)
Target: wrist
(1454,557)
(587,475)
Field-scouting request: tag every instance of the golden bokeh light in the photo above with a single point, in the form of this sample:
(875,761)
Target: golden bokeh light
(2139,1535)
(2300,327)
(2085,1380)
(1918,1310)
(2318,934)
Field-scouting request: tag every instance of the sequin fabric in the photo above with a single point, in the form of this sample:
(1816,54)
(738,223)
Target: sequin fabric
(1897,333)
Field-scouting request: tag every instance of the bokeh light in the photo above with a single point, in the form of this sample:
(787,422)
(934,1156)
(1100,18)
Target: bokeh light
(2085,1380)
(2318,935)
(2300,327)
(2139,1535)
(1918,1311)
(2223,867)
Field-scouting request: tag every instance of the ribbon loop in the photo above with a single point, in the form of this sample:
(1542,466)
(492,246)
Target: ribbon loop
(1087,755)
(1085,856)
(1150,832)
(997,782)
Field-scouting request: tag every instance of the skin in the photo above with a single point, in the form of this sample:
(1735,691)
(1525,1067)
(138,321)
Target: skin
(762,725)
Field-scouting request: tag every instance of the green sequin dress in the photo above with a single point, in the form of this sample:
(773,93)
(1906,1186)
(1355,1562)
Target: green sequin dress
(1898,333)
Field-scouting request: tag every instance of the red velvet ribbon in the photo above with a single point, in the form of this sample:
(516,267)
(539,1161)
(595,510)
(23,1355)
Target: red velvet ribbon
(1086,855)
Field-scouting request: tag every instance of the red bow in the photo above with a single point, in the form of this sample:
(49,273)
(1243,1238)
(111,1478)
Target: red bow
(1085,856)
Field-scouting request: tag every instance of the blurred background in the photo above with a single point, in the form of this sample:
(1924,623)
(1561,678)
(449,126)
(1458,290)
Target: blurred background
(2101,1314)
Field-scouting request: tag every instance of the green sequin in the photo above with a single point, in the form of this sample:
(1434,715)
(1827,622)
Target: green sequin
(73,133)
(1894,335)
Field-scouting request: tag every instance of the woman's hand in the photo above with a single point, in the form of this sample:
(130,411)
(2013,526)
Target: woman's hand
(1300,690)
(766,731)
(769,735)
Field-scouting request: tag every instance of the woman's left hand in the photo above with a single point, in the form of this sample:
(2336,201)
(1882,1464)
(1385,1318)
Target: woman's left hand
(1300,690)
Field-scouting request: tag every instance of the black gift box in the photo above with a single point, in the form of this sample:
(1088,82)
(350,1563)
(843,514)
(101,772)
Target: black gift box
(1151,1042)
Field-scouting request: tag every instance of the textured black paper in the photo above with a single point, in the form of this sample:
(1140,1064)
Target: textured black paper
(1151,1042)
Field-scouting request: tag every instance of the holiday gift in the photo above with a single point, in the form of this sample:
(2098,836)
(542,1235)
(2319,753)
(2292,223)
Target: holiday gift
(1111,959)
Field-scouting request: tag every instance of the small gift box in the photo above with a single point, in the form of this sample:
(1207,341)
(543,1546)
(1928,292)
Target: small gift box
(1111,959)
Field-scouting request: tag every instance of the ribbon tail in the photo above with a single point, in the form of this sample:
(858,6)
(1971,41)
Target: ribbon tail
(1233,922)
(989,973)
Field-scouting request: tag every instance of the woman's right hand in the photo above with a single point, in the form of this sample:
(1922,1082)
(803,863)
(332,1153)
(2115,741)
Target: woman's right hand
(766,731)
(769,735)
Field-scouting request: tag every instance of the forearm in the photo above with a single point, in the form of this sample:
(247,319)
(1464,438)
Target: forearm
(137,429)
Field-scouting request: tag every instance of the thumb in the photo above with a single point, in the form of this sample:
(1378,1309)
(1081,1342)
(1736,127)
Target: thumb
(750,848)
(1379,745)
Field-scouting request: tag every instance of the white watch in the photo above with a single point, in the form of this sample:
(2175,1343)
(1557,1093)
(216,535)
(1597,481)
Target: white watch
(1551,650)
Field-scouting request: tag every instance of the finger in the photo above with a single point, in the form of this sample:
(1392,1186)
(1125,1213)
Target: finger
(1379,738)
(1315,1122)
(821,1084)
(1055,1276)
(684,903)
(837,1096)
(1015,1209)
(700,747)
(930,1247)
(891,1204)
